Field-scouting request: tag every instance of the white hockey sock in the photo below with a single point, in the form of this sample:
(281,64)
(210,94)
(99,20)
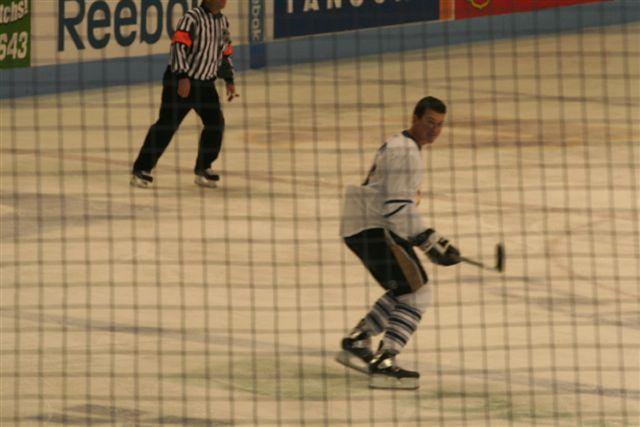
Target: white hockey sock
(378,317)
(402,323)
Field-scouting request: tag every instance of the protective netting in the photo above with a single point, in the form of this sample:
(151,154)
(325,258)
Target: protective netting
(179,305)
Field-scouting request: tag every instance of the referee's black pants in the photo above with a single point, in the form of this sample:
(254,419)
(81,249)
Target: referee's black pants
(203,98)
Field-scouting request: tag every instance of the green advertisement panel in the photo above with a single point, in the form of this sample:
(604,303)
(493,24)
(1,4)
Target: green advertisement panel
(15,33)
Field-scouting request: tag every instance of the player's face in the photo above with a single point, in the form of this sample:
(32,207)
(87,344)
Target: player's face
(428,127)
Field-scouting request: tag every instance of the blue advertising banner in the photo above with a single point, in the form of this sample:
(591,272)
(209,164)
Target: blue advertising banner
(305,17)
(257,48)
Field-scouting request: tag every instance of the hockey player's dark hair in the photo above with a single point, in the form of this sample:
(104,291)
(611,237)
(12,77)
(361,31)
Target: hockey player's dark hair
(429,103)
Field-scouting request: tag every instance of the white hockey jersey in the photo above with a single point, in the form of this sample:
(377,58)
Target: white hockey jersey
(387,198)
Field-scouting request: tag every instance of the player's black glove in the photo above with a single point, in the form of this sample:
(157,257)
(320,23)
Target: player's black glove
(437,248)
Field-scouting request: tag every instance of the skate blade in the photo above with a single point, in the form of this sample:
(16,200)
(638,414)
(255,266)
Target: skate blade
(205,183)
(387,382)
(351,361)
(139,183)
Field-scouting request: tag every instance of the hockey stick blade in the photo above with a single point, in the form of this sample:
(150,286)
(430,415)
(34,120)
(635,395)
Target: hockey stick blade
(499,265)
(500,257)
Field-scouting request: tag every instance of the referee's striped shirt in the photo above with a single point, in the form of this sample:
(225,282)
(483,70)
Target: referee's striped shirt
(201,45)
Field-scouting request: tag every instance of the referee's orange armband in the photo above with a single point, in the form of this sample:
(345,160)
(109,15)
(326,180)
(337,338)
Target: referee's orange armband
(182,37)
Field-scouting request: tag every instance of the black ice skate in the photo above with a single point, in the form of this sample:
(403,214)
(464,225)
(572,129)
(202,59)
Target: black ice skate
(356,351)
(386,374)
(141,179)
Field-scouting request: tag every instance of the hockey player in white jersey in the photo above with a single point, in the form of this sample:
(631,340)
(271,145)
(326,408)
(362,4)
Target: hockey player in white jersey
(381,225)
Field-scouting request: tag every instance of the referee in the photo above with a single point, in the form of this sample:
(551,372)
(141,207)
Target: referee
(200,51)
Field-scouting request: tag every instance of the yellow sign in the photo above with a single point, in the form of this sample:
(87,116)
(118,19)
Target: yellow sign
(479,4)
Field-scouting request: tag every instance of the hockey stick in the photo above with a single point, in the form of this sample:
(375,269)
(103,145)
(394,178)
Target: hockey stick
(499,266)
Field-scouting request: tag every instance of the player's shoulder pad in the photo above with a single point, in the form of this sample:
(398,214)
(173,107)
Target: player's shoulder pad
(401,145)
(394,141)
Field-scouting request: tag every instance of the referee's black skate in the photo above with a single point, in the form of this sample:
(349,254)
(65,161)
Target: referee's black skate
(386,374)
(141,179)
(356,351)
(206,178)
